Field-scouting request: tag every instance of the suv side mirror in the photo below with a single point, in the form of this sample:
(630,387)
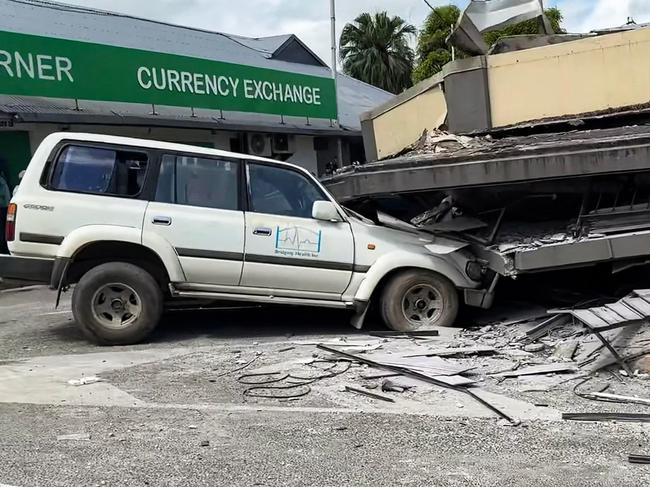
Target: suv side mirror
(326,211)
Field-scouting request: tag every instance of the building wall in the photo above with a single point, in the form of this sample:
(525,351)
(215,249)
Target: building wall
(218,140)
(403,125)
(588,75)
(593,74)
(400,122)
(305,155)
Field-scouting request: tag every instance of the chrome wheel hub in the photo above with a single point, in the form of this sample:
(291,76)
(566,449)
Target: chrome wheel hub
(116,305)
(422,305)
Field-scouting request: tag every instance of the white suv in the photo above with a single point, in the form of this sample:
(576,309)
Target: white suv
(135,223)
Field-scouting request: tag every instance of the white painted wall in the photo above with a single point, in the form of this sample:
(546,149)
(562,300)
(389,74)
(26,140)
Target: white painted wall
(305,155)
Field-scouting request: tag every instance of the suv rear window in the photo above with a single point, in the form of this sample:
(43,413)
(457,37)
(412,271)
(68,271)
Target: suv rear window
(99,170)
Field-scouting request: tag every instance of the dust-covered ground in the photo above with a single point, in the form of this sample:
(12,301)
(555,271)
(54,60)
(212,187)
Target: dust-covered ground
(181,409)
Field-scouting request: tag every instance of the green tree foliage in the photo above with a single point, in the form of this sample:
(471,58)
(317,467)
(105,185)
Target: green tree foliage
(433,52)
(375,49)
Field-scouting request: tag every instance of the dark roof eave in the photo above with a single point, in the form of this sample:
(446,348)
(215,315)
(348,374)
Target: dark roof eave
(160,121)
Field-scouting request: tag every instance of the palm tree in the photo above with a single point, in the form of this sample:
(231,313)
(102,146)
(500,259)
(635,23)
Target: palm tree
(375,49)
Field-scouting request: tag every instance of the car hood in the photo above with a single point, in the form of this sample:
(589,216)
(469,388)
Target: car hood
(413,240)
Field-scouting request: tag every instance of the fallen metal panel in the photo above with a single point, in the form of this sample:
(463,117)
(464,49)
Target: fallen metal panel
(426,365)
(451,352)
(627,417)
(369,394)
(623,311)
(626,311)
(538,369)
(589,318)
(481,16)
(607,315)
(417,375)
(643,459)
(639,305)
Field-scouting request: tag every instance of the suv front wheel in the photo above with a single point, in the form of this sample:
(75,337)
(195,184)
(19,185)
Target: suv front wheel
(117,304)
(419,300)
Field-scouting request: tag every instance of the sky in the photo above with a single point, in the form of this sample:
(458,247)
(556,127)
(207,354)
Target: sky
(309,19)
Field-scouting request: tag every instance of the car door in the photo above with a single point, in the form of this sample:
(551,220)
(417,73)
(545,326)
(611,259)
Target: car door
(286,249)
(197,210)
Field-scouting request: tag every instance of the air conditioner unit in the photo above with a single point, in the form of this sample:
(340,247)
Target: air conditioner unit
(260,145)
(283,144)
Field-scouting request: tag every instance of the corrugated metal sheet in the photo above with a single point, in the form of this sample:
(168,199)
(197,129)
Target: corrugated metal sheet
(266,45)
(90,25)
(54,19)
(631,309)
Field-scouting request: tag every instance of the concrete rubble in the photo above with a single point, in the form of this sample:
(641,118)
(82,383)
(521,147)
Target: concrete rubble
(528,356)
(166,398)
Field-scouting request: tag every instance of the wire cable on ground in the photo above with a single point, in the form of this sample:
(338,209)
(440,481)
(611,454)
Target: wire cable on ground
(288,385)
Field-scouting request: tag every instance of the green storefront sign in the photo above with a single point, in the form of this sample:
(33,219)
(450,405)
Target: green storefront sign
(58,68)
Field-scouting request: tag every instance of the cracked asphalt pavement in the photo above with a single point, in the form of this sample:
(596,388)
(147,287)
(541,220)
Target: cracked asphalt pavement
(171,412)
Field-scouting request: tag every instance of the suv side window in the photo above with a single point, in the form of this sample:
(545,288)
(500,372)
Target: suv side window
(195,181)
(99,170)
(278,191)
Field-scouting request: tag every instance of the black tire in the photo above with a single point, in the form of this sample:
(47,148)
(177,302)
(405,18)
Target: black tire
(394,295)
(148,296)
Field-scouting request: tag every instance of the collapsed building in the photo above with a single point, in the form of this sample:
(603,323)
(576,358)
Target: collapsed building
(538,157)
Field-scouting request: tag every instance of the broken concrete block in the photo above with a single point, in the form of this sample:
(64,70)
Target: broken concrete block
(390,386)
(74,436)
(565,350)
(84,381)
(534,347)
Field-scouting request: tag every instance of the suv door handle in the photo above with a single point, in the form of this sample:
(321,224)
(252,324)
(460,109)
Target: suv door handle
(263,231)
(162,220)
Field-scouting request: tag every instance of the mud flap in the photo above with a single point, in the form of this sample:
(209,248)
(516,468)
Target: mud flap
(361,310)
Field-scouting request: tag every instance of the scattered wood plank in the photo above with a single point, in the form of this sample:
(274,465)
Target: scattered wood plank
(538,369)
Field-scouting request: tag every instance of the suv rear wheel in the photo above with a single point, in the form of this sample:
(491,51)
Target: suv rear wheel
(117,304)
(419,300)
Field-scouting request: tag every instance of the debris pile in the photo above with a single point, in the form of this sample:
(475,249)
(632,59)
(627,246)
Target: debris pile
(437,141)
(577,364)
